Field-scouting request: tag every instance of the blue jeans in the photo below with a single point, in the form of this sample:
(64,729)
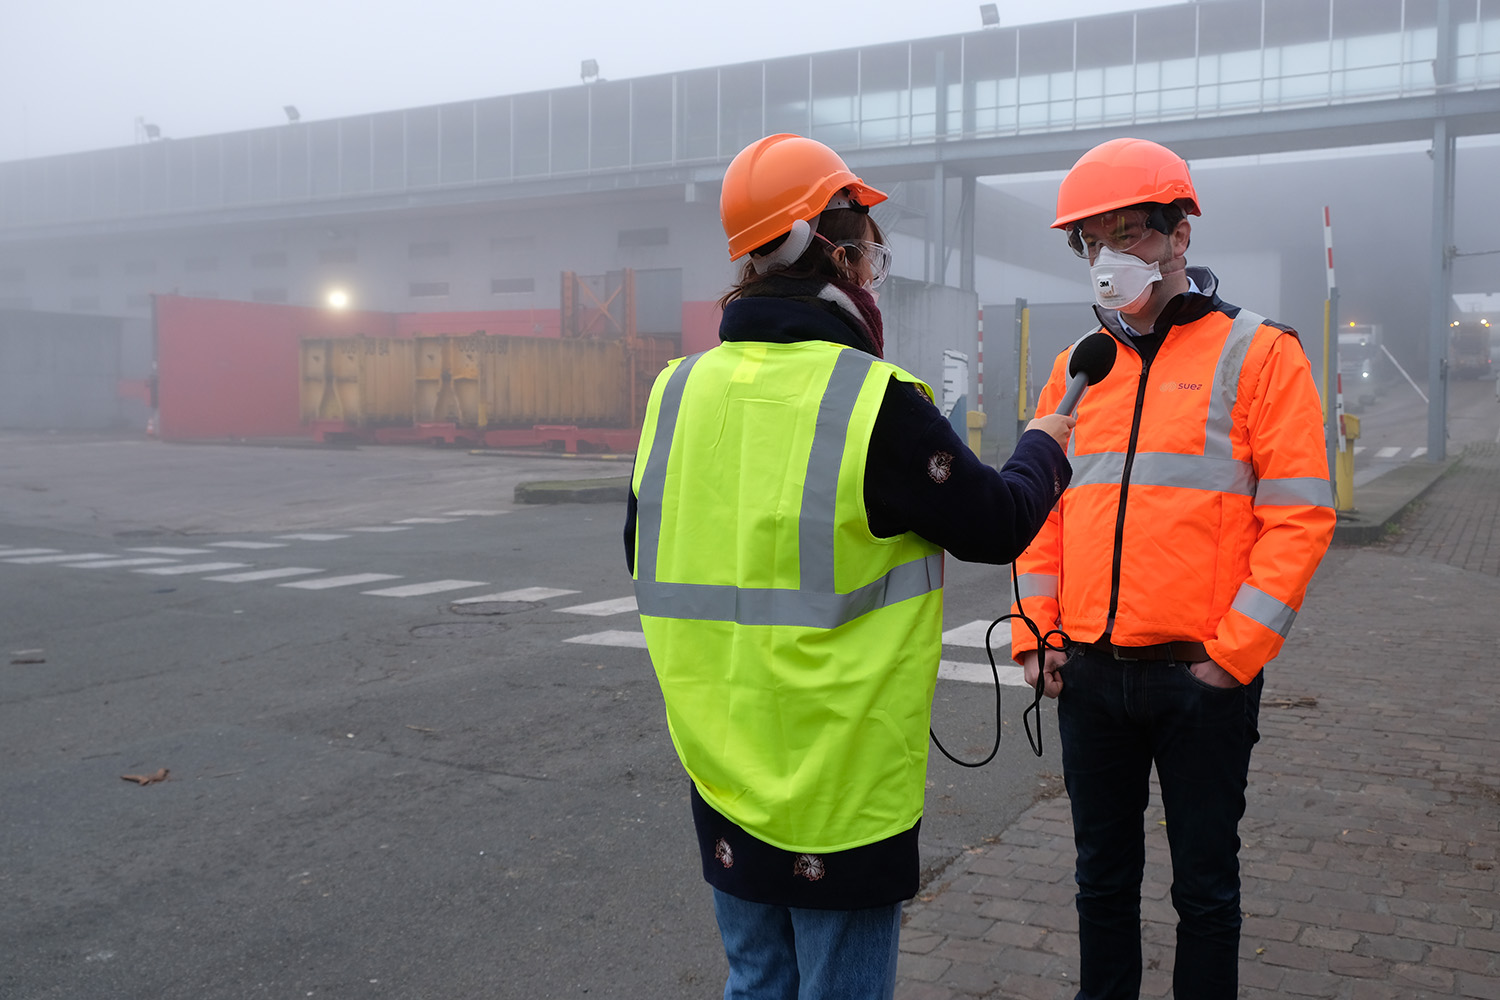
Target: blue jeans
(1116,719)
(789,953)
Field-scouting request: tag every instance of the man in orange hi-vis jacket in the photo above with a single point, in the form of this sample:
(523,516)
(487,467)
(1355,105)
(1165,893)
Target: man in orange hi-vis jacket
(1175,563)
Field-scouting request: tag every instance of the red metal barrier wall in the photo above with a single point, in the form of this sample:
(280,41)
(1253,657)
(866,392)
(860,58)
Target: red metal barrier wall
(231,369)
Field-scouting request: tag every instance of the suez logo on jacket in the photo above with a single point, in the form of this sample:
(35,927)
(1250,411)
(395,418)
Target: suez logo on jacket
(1175,386)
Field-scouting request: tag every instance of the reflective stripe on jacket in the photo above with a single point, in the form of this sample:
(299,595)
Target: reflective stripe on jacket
(1200,504)
(797,652)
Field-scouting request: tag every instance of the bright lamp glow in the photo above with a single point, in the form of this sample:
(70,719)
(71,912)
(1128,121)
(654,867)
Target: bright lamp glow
(338,299)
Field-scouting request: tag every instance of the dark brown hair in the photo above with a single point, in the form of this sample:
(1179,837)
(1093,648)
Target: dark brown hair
(838,225)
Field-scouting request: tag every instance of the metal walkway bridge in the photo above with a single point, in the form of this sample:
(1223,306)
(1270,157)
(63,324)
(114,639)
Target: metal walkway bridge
(1217,77)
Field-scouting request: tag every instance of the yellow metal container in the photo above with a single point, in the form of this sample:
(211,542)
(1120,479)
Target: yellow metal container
(480,382)
(360,381)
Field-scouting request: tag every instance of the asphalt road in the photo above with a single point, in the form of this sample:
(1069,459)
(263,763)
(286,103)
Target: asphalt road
(368,795)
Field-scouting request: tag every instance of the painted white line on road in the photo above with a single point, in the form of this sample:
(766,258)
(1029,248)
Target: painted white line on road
(382,527)
(28,552)
(118,563)
(472,513)
(972,635)
(524,594)
(352,580)
(628,640)
(248,545)
(38,560)
(979,673)
(419,589)
(313,536)
(1388,452)
(1419,452)
(425,520)
(167,550)
(618,606)
(265,574)
(1358,448)
(192,568)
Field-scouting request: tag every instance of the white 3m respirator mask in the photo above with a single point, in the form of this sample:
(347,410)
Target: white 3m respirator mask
(1121,281)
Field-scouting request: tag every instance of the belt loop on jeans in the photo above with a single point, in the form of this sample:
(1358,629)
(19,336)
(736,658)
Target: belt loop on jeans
(1181,652)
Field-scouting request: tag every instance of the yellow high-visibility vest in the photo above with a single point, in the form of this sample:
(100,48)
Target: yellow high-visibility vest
(797,652)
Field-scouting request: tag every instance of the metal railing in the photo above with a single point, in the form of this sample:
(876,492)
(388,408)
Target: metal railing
(1193,61)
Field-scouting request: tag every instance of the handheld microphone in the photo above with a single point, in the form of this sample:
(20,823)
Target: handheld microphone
(1090,361)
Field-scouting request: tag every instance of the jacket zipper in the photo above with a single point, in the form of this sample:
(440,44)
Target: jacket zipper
(1135,431)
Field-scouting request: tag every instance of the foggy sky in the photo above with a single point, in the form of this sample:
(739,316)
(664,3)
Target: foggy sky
(76,74)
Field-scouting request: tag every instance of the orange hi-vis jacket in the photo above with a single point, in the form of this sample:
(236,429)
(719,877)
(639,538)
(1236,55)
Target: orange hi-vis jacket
(1200,504)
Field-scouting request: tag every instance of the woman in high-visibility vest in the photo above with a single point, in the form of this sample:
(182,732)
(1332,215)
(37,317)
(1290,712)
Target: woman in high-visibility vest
(791,500)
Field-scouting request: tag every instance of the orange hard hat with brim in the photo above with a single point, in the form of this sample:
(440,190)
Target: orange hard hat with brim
(1120,173)
(777,181)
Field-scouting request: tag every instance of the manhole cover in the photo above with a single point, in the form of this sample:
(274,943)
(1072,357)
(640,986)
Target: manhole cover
(457,630)
(492,607)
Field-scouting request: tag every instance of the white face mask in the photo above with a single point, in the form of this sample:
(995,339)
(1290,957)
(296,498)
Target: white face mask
(1121,281)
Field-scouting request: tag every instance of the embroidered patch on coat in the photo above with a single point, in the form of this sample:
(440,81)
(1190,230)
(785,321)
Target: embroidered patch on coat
(723,853)
(808,866)
(940,466)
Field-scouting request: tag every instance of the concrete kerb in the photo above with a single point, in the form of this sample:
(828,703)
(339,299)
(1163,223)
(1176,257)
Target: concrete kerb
(612,489)
(1381,501)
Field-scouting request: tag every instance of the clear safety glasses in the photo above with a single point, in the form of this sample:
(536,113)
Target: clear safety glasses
(1120,230)
(876,255)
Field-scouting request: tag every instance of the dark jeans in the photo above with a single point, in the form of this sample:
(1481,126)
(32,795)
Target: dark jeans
(1117,718)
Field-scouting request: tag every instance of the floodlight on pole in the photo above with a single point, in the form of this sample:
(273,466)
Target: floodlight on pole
(989,15)
(589,70)
(337,298)
(292,114)
(152,132)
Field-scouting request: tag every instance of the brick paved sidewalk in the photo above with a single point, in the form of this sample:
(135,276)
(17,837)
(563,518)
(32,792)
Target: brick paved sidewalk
(1373,827)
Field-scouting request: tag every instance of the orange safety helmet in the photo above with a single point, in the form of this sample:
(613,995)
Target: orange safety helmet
(779,181)
(1120,173)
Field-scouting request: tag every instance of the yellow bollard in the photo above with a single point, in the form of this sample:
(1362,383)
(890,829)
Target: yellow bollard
(976,422)
(1343,472)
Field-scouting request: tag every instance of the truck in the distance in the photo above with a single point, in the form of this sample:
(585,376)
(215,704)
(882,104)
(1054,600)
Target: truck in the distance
(1362,363)
(1469,348)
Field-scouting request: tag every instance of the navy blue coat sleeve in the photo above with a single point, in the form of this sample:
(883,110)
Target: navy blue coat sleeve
(921,477)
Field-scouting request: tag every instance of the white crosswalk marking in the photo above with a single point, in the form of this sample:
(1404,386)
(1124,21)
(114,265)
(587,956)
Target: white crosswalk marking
(120,563)
(28,552)
(313,536)
(192,568)
(1358,449)
(38,560)
(1390,451)
(524,594)
(628,640)
(600,609)
(265,574)
(352,580)
(424,520)
(1419,452)
(472,513)
(419,589)
(167,550)
(979,673)
(248,545)
(382,527)
(972,635)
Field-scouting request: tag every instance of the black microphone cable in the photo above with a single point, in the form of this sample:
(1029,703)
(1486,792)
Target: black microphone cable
(1043,645)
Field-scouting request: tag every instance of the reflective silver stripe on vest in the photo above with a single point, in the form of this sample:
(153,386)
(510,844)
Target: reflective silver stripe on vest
(795,608)
(815,528)
(1217,440)
(1306,490)
(654,477)
(1165,468)
(815,604)
(1216,468)
(1256,604)
(1037,585)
